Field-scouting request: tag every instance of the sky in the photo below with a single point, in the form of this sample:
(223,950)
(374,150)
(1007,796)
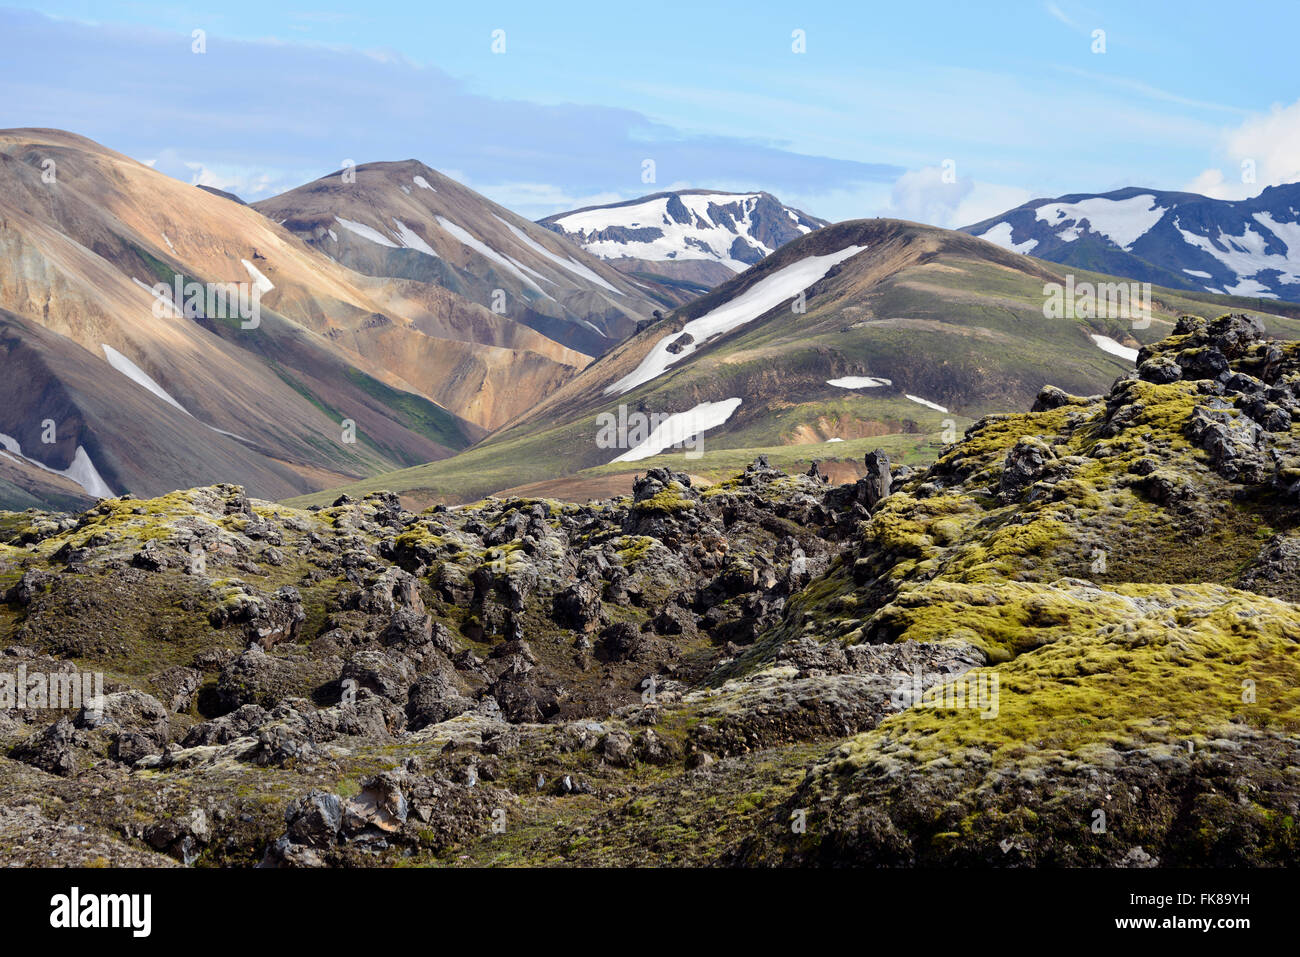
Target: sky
(946,113)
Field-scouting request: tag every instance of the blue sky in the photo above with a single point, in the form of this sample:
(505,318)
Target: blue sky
(1011,94)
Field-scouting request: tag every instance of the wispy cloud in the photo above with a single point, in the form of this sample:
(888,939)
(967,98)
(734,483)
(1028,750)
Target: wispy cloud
(1147,90)
(840,136)
(1061,15)
(1264,150)
(252,119)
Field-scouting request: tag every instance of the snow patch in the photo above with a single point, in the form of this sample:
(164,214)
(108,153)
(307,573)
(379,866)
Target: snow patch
(1001,235)
(1247,255)
(423,183)
(858,382)
(137,375)
(1250,287)
(805,230)
(263,284)
(465,237)
(158,297)
(365,232)
(678,428)
(1107,344)
(766,294)
(1122,221)
(925,402)
(82,470)
(703,238)
(576,268)
(411,239)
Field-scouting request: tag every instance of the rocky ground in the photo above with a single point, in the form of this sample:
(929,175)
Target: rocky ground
(1070,641)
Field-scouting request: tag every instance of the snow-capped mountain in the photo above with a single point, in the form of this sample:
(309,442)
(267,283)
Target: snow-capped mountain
(873,330)
(692,235)
(1182,240)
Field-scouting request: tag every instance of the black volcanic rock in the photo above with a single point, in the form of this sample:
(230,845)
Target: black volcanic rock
(687,668)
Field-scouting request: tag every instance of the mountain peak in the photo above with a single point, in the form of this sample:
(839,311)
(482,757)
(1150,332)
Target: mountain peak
(405,220)
(1182,240)
(704,236)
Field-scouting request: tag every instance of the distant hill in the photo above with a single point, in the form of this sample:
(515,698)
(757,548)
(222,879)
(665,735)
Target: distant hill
(685,242)
(1181,240)
(406,221)
(113,383)
(906,334)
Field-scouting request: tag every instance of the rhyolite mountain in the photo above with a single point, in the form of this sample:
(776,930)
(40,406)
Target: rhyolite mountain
(403,220)
(685,241)
(1087,606)
(862,334)
(144,399)
(1245,247)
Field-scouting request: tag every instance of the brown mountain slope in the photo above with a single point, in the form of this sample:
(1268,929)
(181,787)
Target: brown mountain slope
(878,331)
(88,238)
(147,228)
(132,440)
(406,221)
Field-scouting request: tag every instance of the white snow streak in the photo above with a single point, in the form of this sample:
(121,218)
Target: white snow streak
(1107,344)
(677,429)
(767,293)
(82,470)
(137,375)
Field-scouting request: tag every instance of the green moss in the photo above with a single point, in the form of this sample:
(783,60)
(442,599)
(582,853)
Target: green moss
(667,502)
(1136,665)
(633,549)
(994,435)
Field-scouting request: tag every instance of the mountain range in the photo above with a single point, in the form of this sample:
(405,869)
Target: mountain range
(685,241)
(114,384)
(400,530)
(1247,247)
(405,221)
(416,336)
(866,334)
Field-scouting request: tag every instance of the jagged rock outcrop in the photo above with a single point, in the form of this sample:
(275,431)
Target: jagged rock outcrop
(1084,608)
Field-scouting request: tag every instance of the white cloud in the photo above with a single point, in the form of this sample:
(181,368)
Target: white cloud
(538,200)
(249,183)
(1213,183)
(1270,141)
(1060,14)
(923,196)
(246,184)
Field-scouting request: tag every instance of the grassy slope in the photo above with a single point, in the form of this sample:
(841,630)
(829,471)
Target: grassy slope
(959,330)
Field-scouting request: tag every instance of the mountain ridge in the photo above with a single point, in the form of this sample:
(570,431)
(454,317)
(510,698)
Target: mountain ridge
(1178,239)
(712,240)
(89,237)
(406,220)
(907,339)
